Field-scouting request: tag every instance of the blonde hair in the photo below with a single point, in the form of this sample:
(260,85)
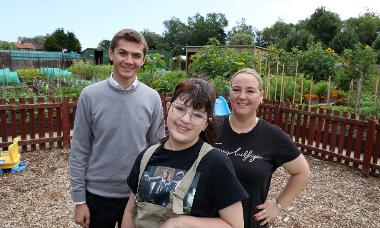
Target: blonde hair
(252,72)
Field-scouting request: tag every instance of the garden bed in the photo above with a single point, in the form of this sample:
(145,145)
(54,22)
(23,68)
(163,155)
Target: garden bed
(337,196)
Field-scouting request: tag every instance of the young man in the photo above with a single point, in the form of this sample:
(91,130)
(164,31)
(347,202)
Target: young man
(115,120)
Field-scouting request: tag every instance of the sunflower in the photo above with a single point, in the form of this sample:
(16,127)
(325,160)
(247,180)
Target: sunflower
(329,50)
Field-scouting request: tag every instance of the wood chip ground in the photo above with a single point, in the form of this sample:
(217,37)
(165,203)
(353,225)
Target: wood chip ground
(337,196)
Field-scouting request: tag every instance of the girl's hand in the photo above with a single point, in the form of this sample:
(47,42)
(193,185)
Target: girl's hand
(170,223)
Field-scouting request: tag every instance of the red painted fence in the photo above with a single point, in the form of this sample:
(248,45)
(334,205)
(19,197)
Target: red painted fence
(335,136)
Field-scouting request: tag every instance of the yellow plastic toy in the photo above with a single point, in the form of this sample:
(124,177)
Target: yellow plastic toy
(11,158)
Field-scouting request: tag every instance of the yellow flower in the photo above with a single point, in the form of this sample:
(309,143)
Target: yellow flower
(329,50)
(366,46)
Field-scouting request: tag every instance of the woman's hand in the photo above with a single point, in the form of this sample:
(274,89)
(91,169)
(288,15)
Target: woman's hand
(268,212)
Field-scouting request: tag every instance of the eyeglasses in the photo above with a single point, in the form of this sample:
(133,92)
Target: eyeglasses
(196,117)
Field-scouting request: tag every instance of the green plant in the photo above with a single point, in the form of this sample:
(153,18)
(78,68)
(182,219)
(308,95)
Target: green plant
(30,74)
(167,82)
(17,92)
(154,62)
(214,61)
(219,83)
(358,62)
(70,91)
(320,88)
(318,62)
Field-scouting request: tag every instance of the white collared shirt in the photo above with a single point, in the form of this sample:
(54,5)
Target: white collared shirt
(115,84)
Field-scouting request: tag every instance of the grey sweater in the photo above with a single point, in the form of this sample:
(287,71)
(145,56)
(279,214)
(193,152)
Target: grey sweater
(111,128)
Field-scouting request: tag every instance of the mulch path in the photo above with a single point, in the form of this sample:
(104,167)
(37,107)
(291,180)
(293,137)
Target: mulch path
(337,196)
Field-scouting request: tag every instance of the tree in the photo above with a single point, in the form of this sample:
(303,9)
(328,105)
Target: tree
(51,44)
(213,41)
(324,25)
(366,27)
(241,38)
(72,42)
(260,40)
(376,46)
(4,45)
(175,36)
(298,39)
(276,34)
(200,29)
(344,39)
(104,44)
(153,39)
(241,34)
(59,40)
(36,39)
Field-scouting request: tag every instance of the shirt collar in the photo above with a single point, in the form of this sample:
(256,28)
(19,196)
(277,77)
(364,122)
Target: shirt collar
(116,85)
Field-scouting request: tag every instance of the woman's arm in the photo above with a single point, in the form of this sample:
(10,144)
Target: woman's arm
(230,217)
(128,213)
(300,175)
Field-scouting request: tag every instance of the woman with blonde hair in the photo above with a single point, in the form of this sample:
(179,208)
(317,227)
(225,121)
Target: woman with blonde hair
(257,148)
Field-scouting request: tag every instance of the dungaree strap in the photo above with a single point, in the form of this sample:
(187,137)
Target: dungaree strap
(183,187)
(144,161)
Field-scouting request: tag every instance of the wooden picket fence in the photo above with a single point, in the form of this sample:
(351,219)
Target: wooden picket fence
(47,123)
(328,134)
(40,123)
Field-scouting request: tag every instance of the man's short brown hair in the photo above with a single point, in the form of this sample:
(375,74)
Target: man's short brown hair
(129,35)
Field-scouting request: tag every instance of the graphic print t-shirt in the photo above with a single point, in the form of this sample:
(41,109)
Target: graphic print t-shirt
(214,186)
(255,156)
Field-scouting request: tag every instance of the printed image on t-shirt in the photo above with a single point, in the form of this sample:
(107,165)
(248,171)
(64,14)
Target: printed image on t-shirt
(158,182)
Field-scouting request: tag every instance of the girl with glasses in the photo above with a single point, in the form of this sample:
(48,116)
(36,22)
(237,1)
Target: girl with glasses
(213,199)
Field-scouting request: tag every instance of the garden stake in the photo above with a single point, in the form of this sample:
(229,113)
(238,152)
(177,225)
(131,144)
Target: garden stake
(328,92)
(295,83)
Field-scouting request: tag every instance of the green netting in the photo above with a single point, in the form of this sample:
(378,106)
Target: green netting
(56,72)
(8,77)
(41,55)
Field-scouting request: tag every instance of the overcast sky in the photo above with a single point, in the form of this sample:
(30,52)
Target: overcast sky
(93,21)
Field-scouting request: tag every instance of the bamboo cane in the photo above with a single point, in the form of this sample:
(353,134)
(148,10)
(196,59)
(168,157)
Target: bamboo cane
(358,94)
(277,68)
(328,92)
(268,85)
(301,98)
(377,92)
(282,83)
(350,92)
(275,88)
(311,89)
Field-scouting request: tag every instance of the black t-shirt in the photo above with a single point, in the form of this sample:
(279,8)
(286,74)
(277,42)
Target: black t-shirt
(255,156)
(214,186)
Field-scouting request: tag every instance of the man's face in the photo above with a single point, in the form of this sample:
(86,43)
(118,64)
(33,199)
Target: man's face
(165,174)
(128,58)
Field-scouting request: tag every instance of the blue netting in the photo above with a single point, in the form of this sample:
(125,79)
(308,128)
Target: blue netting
(8,77)
(56,72)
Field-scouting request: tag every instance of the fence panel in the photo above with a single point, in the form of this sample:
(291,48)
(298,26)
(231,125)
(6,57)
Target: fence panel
(27,121)
(342,135)
(321,133)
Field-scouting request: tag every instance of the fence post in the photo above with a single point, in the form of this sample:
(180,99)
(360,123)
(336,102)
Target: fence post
(66,123)
(278,114)
(369,142)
